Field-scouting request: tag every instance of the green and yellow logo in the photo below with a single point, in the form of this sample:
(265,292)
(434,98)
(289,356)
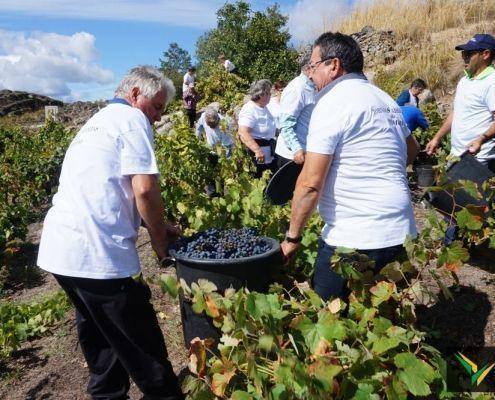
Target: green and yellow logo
(477,375)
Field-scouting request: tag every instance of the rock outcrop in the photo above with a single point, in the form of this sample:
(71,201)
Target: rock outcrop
(76,114)
(378,47)
(17,103)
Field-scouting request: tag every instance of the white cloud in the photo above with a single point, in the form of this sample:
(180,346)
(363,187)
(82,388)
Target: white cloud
(194,13)
(49,63)
(309,18)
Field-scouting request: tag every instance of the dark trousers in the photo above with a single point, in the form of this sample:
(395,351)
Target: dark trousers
(191,116)
(120,337)
(281,161)
(328,283)
(260,168)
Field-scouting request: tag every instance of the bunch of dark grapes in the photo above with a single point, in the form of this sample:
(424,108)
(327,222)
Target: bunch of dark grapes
(223,244)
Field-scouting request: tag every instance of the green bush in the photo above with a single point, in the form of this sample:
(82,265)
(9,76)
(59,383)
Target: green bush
(20,322)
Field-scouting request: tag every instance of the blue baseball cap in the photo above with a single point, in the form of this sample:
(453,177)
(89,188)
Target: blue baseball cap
(480,41)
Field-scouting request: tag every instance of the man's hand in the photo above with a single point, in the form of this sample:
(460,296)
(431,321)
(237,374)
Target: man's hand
(432,146)
(475,146)
(260,156)
(288,251)
(299,157)
(173,232)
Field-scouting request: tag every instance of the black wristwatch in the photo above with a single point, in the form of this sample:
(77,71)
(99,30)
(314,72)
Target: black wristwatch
(291,239)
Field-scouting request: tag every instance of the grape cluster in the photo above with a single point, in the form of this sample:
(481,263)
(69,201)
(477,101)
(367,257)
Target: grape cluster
(223,244)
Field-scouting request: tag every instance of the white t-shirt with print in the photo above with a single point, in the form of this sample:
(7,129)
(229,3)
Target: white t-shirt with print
(365,202)
(298,100)
(474,105)
(262,125)
(91,229)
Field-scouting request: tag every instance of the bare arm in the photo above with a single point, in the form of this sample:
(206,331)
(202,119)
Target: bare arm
(475,146)
(308,191)
(412,149)
(150,206)
(247,138)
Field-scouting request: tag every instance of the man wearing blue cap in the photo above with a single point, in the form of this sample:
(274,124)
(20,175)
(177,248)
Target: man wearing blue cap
(472,121)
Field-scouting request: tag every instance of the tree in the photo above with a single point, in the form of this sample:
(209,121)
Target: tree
(257,42)
(174,64)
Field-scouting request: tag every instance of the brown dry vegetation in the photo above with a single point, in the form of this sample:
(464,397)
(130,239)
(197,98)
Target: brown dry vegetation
(427,32)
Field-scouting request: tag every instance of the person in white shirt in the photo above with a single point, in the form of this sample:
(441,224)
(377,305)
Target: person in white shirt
(274,104)
(355,167)
(472,120)
(296,106)
(257,127)
(227,64)
(189,79)
(108,186)
(209,124)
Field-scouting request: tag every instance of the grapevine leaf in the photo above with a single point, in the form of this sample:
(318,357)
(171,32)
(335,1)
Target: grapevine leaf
(324,371)
(241,395)
(169,284)
(470,218)
(414,373)
(382,292)
(453,256)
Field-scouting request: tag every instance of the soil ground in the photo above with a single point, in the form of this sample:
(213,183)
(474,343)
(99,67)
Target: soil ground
(52,367)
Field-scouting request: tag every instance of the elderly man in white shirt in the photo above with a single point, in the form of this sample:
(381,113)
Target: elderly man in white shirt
(357,149)
(108,185)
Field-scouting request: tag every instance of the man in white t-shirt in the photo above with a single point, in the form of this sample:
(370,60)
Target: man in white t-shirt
(108,185)
(189,79)
(472,121)
(296,106)
(355,168)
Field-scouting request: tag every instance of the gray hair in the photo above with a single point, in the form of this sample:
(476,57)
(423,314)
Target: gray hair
(304,56)
(149,80)
(259,89)
(212,118)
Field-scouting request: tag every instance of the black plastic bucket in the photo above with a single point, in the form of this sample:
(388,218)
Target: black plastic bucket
(254,273)
(426,176)
(470,169)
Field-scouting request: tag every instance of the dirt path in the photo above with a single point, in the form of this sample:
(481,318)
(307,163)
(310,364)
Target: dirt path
(52,367)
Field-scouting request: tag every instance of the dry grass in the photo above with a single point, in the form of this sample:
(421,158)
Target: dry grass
(427,31)
(416,19)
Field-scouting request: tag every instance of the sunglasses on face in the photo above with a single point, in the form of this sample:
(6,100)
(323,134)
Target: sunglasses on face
(467,54)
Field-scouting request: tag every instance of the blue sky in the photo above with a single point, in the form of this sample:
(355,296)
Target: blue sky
(75,50)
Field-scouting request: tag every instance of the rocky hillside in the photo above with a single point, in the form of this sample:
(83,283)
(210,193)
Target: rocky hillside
(17,103)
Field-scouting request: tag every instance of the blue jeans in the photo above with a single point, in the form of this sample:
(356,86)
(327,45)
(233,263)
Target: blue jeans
(327,283)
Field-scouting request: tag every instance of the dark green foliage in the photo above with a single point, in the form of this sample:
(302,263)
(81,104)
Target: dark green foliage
(174,65)
(257,42)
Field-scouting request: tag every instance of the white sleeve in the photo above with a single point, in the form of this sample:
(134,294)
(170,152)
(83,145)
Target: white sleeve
(136,153)
(325,130)
(246,117)
(291,102)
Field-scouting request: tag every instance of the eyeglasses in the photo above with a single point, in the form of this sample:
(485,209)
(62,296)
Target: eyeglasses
(312,67)
(467,54)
